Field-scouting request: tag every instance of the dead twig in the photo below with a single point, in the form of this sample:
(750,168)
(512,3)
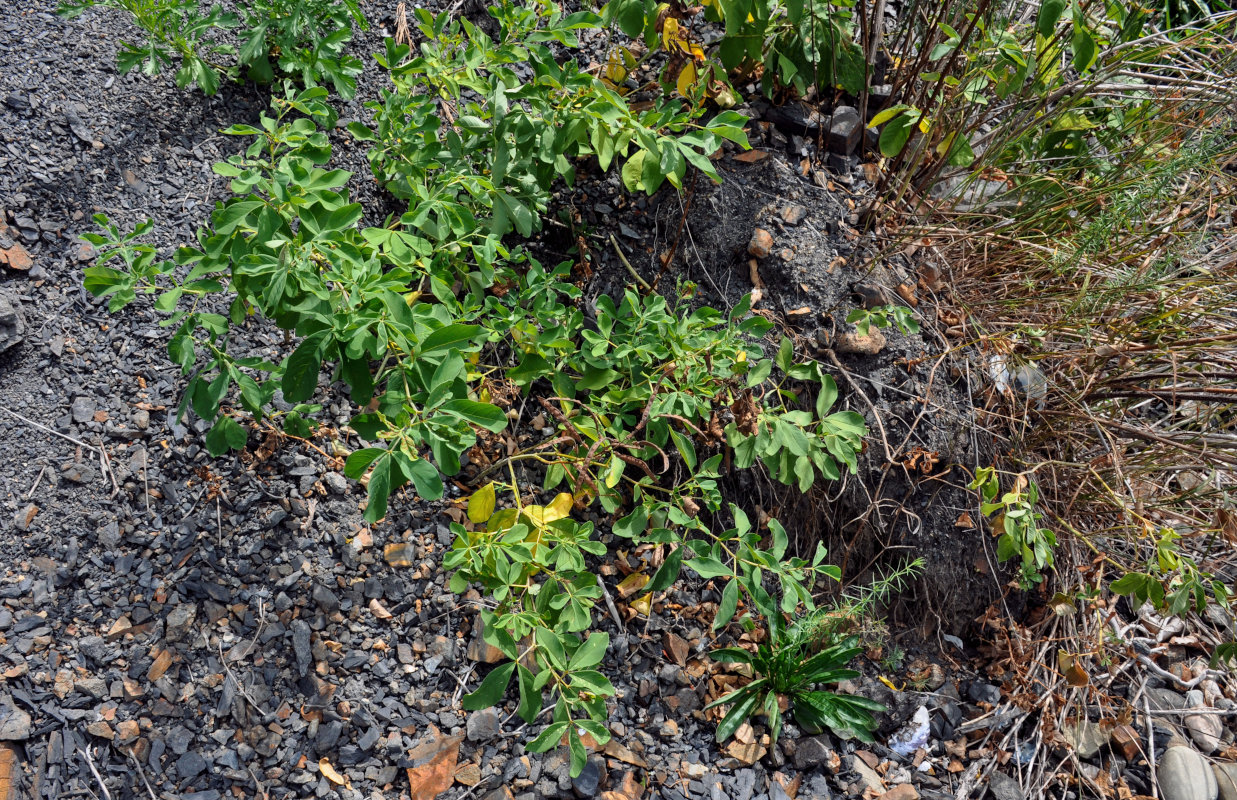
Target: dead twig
(95,772)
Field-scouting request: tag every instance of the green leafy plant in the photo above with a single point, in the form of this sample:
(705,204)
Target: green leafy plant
(790,665)
(474,145)
(303,39)
(789,668)
(882,317)
(797,45)
(1172,581)
(644,395)
(1014,516)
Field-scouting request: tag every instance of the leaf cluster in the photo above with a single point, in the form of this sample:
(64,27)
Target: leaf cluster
(1015,518)
(300,39)
(791,44)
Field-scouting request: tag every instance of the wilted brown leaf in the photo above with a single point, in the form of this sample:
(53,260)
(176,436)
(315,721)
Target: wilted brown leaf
(632,584)
(378,609)
(1226,523)
(677,648)
(629,789)
(325,767)
(751,156)
(1074,674)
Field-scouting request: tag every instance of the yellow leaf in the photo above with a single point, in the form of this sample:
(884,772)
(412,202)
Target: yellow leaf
(643,605)
(481,504)
(888,683)
(501,520)
(632,584)
(616,66)
(925,124)
(670,33)
(687,79)
(561,506)
(324,766)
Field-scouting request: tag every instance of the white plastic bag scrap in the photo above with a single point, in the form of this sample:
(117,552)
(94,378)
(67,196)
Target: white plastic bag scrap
(913,735)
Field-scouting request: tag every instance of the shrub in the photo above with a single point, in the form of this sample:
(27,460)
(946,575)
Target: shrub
(301,39)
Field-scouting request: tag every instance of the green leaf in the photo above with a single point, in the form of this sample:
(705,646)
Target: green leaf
(633,169)
(300,377)
(450,336)
(785,355)
(226,434)
(1050,12)
(707,567)
(491,690)
(548,738)
(729,604)
(744,703)
(359,461)
(485,415)
(731,655)
(1084,46)
(549,645)
(895,135)
(887,114)
(426,479)
(591,652)
(530,698)
(668,572)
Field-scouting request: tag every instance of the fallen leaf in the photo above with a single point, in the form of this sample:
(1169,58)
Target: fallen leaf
(800,311)
(1226,523)
(324,766)
(1074,674)
(433,765)
(632,584)
(751,156)
(964,520)
(677,648)
(643,604)
(379,610)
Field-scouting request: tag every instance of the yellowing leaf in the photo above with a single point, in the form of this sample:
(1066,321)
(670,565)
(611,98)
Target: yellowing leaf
(481,504)
(670,33)
(501,520)
(632,584)
(925,124)
(643,605)
(324,766)
(687,79)
(1074,674)
(616,66)
(560,507)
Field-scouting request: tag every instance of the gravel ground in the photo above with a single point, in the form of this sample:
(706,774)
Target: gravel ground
(176,626)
